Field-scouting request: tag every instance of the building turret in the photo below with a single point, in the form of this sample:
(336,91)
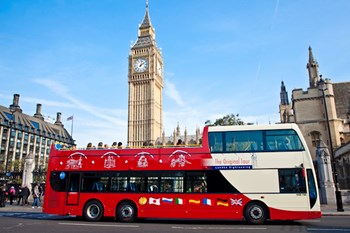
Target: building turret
(284,95)
(312,67)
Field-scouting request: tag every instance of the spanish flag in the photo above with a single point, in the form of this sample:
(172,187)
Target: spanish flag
(194,201)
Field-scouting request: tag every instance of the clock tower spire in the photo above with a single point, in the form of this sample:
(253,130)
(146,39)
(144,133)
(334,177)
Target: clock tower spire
(145,77)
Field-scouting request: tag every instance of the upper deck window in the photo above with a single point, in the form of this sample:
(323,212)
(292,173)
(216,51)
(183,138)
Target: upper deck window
(254,141)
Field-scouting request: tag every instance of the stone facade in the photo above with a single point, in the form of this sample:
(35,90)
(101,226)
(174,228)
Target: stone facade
(145,77)
(177,137)
(28,135)
(308,111)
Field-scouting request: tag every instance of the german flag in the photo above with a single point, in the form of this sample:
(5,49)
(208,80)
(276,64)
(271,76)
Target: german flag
(223,202)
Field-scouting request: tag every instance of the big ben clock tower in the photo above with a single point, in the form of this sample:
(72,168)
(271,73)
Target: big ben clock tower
(145,77)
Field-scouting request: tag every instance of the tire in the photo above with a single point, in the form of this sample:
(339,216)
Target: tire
(93,211)
(255,213)
(127,212)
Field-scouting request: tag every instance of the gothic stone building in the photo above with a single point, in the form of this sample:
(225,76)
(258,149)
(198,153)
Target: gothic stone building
(145,77)
(21,134)
(307,110)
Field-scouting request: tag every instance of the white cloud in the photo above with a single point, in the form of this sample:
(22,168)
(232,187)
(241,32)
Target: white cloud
(171,91)
(63,92)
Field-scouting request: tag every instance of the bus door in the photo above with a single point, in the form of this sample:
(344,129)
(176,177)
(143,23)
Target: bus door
(73,189)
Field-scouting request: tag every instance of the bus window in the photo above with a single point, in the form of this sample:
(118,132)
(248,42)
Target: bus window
(291,180)
(243,141)
(283,140)
(74,182)
(118,183)
(152,184)
(136,184)
(196,182)
(58,181)
(172,182)
(215,142)
(312,188)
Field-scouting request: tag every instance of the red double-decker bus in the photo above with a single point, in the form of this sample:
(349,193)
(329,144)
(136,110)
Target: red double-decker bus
(256,173)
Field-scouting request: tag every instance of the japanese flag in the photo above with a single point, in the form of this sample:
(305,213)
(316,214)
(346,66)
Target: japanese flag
(154,201)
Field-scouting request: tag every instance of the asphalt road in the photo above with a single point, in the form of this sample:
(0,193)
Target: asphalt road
(40,222)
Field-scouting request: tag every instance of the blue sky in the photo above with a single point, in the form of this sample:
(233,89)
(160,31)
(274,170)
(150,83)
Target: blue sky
(220,57)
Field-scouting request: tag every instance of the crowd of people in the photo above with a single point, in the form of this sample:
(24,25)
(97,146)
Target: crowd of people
(100,145)
(20,195)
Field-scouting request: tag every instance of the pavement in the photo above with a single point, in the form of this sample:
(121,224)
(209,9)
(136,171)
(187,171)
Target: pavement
(327,210)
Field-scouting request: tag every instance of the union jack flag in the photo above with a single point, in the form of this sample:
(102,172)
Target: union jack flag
(236,201)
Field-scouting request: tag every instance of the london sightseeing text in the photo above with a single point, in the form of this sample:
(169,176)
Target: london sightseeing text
(252,173)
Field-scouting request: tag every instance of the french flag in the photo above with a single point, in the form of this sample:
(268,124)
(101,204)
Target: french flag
(206,201)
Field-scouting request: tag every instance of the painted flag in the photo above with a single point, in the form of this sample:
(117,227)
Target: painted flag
(167,200)
(236,201)
(223,202)
(154,201)
(206,201)
(194,201)
(70,118)
(179,201)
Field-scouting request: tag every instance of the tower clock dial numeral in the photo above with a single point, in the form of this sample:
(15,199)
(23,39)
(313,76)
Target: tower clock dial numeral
(140,65)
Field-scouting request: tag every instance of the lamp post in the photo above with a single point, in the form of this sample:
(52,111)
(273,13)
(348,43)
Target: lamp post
(11,123)
(322,87)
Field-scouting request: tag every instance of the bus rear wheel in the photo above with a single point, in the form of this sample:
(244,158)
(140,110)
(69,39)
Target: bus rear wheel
(255,213)
(93,211)
(127,212)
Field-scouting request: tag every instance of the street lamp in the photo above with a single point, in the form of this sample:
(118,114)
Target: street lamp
(323,87)
(11,123)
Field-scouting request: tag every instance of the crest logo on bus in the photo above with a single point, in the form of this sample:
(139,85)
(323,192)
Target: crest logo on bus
(179,158)
(143,162)
(75,163)
(110,161)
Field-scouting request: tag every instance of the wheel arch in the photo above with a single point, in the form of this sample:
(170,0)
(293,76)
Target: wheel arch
(87,202)
(133,203)
(257,202)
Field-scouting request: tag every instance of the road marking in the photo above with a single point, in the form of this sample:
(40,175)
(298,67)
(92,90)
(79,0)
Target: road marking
(219,228)
(329,229)
(98,225)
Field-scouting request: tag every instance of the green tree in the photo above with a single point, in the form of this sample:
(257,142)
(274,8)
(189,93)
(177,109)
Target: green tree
(230,119)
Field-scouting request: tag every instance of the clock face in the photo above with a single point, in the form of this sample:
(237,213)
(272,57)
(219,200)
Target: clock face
(159,68)
(140,65)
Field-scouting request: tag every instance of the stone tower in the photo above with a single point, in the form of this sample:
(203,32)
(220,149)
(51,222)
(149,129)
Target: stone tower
(286,115)
(145,77)
(312,67)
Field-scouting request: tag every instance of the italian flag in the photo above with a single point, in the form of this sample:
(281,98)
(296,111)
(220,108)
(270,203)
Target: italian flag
(179,201)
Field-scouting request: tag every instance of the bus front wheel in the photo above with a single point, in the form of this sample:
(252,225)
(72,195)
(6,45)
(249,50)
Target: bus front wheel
(127,212)
(93,211)
(255,213)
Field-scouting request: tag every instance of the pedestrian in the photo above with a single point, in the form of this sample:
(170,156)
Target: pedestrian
(25,194)
(2,195)
(20,195)
(12,194)
(120,145)
(36,195)
(40,193)
(179,142)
